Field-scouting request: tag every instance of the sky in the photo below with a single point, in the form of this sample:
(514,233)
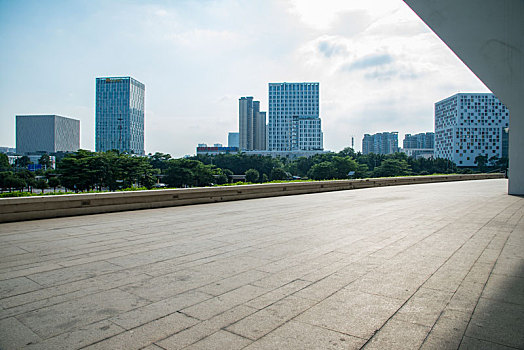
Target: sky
(380,68)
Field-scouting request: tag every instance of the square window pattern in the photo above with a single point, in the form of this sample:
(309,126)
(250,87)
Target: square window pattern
(474,122)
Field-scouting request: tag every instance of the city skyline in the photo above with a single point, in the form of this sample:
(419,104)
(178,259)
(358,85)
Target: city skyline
(370,59)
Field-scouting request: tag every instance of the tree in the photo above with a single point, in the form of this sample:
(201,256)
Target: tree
(278,174)
(343,165)
(187,172)
(252,175)
(45,161)
(159,160)
(80,171)
(361,171)
(502,163)
(228,173)
(220,177)
(22,162)
(322,171)
(392,167)
(348,151)
(4,162)
(41,184)
(481,162)
(53,182)
(9,180)
(178,176)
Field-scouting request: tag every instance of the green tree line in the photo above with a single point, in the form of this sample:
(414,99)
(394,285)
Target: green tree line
(87,171)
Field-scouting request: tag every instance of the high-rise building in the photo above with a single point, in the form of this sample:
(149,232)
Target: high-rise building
(380,143)
(294,118)
(46,133)
(252,125)
(120,115)
(425,140)
(468,125)
(232,139)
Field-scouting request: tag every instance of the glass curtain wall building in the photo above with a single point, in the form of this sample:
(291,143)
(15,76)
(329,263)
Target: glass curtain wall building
(294,118)
(120,115)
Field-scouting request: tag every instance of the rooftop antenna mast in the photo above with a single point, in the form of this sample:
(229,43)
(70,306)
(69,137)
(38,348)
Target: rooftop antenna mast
(120,119)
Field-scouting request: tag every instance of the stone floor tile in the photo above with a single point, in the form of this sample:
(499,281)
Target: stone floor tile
(298,336)
(14,335)
(153,311)
(73,273)
(146,334)
(477,344)
(221,303)
(505,288)
(65,317)
(264,321)
(360,254)
(152,347)
(424,307)
(398,335)
(447,332)
(277,294)
(322,289)
(392,285)
(479,273)
(466,297)
(352,312)
(220,340)
(205,328)
(15,286)
(497,322)
(512,251)
(79,337)
(509,267)
(165,286)
(225,285)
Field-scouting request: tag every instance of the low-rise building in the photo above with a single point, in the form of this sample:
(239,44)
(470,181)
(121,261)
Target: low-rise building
(46,134)
(217,148)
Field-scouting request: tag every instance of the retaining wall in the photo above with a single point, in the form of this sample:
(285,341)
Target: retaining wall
(27,208)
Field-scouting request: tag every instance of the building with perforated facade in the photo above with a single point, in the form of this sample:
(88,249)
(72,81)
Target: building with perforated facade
(468,125)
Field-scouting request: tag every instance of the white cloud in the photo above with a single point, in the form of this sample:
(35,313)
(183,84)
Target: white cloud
(380,68)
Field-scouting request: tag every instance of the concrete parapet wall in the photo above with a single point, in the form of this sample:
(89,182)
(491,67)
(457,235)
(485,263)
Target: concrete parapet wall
(41,207)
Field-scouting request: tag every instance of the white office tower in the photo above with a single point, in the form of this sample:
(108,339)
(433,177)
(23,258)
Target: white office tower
(469,125)
(294,122)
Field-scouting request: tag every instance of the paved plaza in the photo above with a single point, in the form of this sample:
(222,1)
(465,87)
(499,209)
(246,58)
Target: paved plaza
(431,266)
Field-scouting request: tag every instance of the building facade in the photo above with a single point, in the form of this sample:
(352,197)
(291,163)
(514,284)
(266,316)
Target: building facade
(46,134)
(468,125)
(217,148)
(425,140)
(232,139)
(119,115)
(7,150)
(252,125)
(294,117)
(380,143)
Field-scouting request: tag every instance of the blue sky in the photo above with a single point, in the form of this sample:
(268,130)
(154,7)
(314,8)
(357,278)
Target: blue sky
(379,67)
